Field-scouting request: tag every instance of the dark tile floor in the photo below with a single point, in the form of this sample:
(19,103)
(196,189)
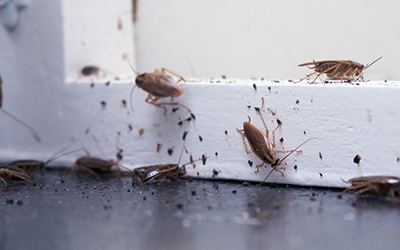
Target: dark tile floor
(81,212)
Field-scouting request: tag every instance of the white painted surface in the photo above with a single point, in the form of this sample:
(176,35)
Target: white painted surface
(98,33)
(39,63)
(266,38)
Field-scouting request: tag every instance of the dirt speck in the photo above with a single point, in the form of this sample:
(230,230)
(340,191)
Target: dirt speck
(357,159)
(141,131)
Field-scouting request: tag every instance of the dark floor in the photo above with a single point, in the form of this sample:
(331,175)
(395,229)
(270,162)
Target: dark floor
(82,212)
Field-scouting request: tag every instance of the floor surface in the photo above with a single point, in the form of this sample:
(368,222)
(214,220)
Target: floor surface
(78,211)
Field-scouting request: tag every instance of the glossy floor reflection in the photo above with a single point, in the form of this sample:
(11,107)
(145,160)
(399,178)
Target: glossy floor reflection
(66,211)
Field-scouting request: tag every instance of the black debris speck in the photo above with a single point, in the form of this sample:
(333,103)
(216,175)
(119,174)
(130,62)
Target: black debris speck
(184,135)
(357,159)
(246,184)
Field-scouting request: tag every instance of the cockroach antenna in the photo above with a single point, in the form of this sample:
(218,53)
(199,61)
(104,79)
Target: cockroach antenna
(369,64)
(33,132)
(278,162)
(133,69)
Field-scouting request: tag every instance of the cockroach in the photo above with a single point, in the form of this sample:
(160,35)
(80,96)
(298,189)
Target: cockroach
(156,172)
(158,84)
(146,174)
(8,172)
(95,166)
(262,146)
(337,69)
(90,70)
(33,132)
(30,166)
(375,185)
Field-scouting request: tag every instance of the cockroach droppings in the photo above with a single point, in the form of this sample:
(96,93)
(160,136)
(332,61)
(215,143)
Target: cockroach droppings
(295,167)
(320,155)
(141,131)
(357,159)
(179,205)
(180,123)
(193,116)
(130,127)
(89,70)
(281,140)
(103,103)
(248,106)
(257,109)
(170,151)
(250,163)
(278,121)
(254,86)
(320,174)
(297,101)
(158,147)
(216,153)
(184,135)
(226,132)
(108,83)
(175,109)
(204,159)
(215,172)
(123,103)
(119,154)
(200,138)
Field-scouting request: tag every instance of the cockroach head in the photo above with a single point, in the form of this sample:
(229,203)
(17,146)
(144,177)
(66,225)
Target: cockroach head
(182,171)
(276,163)
(140,79)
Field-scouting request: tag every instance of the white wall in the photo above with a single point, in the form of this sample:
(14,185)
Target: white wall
(266,38)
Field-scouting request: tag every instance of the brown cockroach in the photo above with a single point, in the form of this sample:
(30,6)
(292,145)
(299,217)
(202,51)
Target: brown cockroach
(158,84)
(375,185)
(8,172)
(337,69)
(30,166)
(158,172)
(95,166)
(33,132)
(90,70)
(262,146)
(146,174)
